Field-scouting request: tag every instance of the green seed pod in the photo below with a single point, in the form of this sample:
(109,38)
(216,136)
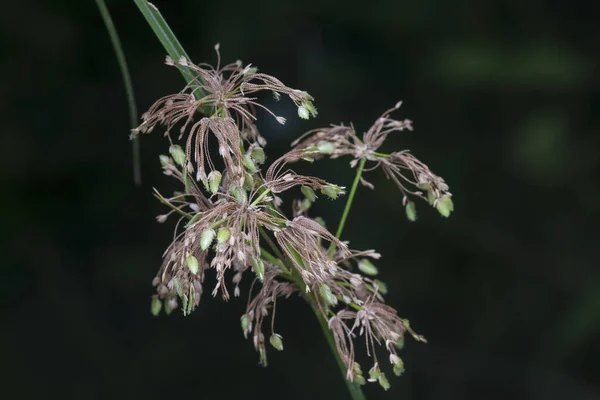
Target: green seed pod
(258,154)
(223,235)
(308,192)
(325,147)
(276,341)
(303,112)
(445,206)
(248,163)
(259,268)
(367,267)
(399,367)
(156,305)
(328,295)
(214,180)
(206,238)
(192,263)
(411,211)
(178,154)
(246,320)
(383,381)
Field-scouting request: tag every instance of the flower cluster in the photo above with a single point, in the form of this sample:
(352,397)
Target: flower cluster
(230,218)
(410,175)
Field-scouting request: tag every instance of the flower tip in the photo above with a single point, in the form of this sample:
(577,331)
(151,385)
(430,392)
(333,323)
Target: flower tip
(281,120)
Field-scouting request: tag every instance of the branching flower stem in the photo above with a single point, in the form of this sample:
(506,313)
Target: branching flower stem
(338,234)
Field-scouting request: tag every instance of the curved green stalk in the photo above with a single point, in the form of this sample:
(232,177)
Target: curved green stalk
(116,43)
(359,171)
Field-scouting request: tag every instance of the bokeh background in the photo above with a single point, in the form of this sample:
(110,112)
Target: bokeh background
(504,96)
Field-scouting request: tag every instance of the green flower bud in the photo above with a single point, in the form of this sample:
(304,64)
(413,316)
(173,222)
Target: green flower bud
(177,286)
(170,305)
(311,108)
(424,186)
(259,268)
(250,71)
(399,367)
(305,204)
(359,380)
(308,192)
(430,197)
(248,163)
(367,267)
(262,356)
(206,238)
(328,295)
(276,341)
(303,112)
(382,286)
(239,194)
(356,368)
(156,305)
(374,373)
(214,180)
(383,381)
(332,191)
(325,147)
(192,263)
(165,161)
(223,235)
(411,211)
(177,154)
(400,343)
(248,182)
(445,206)
(246,320)
(258,154)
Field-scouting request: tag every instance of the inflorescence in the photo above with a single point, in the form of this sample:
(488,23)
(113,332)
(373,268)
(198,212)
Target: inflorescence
(230,218)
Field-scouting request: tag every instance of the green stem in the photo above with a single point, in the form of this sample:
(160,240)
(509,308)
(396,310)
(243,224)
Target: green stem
(359,171)
(116,43)
(260,197)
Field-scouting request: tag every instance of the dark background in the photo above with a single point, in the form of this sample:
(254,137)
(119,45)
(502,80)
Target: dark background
(504,98)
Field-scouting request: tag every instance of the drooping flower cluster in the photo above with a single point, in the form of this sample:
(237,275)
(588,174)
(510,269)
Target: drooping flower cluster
(231,220)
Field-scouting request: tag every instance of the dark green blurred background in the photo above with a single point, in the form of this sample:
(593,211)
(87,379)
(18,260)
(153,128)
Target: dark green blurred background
(504,98)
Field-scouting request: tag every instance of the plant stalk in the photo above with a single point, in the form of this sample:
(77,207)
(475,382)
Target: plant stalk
(359,171)
(116,43)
